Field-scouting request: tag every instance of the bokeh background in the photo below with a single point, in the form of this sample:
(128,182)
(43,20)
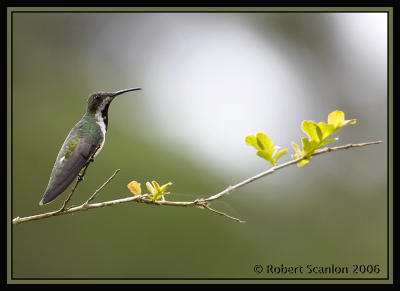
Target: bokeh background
(209,80)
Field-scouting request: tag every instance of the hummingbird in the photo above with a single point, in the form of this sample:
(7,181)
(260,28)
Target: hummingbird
(82,144)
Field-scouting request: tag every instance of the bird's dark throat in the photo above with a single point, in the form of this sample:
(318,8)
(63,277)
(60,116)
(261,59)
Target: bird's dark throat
(104,115)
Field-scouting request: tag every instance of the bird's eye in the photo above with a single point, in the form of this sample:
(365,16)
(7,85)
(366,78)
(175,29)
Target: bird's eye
(97,97)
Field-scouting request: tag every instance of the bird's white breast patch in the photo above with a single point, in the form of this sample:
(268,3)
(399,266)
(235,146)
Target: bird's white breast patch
(99,120)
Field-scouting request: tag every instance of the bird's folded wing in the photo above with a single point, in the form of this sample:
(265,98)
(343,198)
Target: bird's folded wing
(77,160)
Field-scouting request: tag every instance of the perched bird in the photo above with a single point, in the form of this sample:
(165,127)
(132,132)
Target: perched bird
(85,139)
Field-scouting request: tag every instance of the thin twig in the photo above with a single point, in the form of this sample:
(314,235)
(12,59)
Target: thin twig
(223,214)
(70,194)
(197,203)
(101,187)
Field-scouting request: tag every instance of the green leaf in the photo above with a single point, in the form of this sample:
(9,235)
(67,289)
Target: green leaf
(252,140)
(297,149)
(300,154)
(266,147)
(157,196)
(165,186)
(307,146)
(336,118)
(319,132)
(310,128)
(275,152)
(328,141)
(279,154)
(326,129)
(346,122)
(265,142)
(156,186)
(266,155)
(304,162)
(150,188)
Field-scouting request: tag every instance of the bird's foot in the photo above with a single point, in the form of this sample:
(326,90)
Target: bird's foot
(80,177)
(91,159)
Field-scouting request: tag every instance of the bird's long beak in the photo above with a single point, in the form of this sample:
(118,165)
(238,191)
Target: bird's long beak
(114,94)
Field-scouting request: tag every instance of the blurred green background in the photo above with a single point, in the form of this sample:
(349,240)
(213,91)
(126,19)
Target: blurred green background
(209,80)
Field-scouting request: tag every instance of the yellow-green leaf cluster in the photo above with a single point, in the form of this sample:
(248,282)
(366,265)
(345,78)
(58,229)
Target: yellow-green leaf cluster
(155,190)
(318,134)
(265,147)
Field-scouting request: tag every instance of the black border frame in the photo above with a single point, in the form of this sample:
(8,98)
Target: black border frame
(224,11)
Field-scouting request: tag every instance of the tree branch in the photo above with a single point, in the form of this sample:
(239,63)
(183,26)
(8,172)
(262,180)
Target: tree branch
(201,203)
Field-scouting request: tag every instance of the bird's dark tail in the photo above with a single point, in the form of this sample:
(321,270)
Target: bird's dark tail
(54,190)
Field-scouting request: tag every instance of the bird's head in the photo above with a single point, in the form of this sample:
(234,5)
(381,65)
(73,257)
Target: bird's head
(99,100)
